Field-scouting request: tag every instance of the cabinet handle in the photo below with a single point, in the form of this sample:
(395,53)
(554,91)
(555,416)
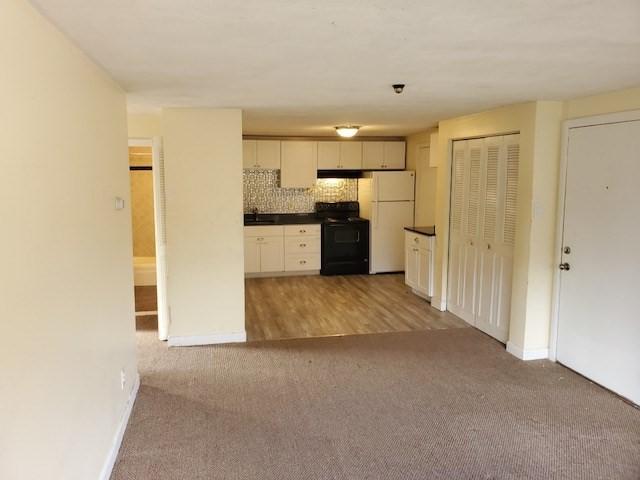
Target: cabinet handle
(471,243)
(260,239)
(488,246)
(303,231)
(303,244)
(416,239)
(415,249)
(302,262)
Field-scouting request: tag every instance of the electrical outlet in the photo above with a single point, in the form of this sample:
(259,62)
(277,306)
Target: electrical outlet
(123,379)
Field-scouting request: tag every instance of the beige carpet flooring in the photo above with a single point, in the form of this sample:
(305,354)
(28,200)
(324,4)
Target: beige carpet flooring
(440,404)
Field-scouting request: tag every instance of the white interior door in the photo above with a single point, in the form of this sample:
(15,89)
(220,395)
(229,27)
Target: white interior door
(159,209)
(598,315)
(459,177)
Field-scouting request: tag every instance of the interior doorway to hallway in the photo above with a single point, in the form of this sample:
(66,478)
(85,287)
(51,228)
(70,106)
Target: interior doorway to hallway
(143,232)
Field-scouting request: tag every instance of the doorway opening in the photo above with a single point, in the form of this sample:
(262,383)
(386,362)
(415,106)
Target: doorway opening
(325,250)
(143,232)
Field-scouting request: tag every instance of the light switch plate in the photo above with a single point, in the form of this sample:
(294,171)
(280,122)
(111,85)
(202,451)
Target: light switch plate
(119,203)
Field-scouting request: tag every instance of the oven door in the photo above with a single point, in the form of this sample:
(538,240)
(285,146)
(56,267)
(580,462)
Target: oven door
(345,248)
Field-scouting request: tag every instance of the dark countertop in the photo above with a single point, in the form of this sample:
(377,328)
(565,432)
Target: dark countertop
(281,219)
(428,231)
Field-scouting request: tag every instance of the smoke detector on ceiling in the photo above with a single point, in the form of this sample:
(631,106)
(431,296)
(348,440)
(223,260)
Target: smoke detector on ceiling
(398,87)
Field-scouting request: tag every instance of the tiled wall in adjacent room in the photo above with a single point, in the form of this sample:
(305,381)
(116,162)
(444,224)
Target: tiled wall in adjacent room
(262,191)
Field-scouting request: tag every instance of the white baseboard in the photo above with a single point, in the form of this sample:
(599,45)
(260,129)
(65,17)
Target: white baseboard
(297,273)
(109,463)
(190,341)
(528,354)
(420,294)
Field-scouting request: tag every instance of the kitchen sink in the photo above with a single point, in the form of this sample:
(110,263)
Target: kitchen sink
(260,220)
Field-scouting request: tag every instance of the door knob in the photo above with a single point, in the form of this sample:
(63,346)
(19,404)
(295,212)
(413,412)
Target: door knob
(565,266)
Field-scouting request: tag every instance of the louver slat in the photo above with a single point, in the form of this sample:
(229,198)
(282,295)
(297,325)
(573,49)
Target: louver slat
(473,207)
(511,193)
(458,191)
(491,194)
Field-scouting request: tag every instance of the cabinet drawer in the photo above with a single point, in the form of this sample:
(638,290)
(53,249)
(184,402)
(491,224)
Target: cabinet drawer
(302,245)
(263,231)
(309,261)
(302,230)
(417,240)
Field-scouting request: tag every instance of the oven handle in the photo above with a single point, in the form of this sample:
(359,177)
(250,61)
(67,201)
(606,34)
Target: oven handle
(357,239)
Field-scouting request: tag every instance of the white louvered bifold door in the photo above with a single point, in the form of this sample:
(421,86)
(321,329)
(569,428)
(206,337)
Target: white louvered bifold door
(459,168)
(159,205)
(483,221)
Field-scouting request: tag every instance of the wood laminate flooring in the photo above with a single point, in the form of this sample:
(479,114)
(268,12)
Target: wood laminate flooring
(146,299)
(317,306)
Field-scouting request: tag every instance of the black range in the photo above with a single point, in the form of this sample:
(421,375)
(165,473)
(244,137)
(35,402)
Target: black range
(345,238)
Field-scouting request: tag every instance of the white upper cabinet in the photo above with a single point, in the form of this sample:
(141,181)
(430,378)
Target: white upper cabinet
(394,153)
(383,155)
(351,155)
(268,154)
(345,155)
(372,155)
(328,155)
(249,153)
(263,154)
(299,164)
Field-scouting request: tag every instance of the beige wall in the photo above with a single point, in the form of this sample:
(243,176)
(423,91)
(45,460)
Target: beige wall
(66,282)
(203,169)
(426,179)
(618,101)
(144,125)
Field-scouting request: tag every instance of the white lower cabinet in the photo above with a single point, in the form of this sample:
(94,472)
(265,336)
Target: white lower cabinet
(418,272)
(301,248)
(277,249)
(263,249)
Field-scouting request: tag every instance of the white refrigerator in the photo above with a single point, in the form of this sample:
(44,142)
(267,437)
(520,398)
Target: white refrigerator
(387,201)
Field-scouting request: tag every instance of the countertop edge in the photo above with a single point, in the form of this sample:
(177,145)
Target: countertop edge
(429,231)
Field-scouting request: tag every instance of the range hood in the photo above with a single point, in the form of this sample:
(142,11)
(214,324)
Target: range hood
(340,173)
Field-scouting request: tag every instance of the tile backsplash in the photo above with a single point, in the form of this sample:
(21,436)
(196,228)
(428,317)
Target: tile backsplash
(262,191)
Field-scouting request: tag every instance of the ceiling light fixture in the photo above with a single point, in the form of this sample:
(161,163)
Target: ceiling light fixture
(347,131)
(398,87)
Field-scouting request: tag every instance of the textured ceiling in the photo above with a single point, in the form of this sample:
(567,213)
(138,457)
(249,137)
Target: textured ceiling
(300,67)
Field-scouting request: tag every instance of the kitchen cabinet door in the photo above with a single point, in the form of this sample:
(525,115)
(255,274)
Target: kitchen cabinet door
(411,266)
(425,271)
(271,254)
(393,154)
(268,154)
(251,255)
(350,155)
(372,155)
(328,155)
(249,148)
(299,164)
